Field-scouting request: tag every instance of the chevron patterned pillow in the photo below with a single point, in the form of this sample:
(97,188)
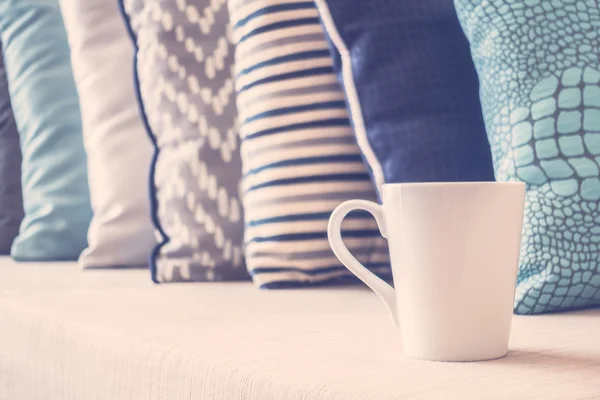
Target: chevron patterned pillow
(184,72)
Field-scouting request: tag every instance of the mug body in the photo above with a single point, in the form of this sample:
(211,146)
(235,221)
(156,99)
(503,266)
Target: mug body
(454,250)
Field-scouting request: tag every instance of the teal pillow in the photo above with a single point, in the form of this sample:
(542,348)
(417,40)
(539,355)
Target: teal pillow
(46,110)
(539,67)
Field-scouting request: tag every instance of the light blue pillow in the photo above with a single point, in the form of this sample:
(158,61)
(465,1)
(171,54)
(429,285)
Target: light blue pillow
(46,110)
(539,67)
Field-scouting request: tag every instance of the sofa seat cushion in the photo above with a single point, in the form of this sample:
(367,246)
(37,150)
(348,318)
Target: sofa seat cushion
(101,334)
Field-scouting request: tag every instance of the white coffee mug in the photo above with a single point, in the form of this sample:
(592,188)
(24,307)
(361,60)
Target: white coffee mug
(454,251)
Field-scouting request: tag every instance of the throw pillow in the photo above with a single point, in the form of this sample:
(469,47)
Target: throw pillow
(46,109)
(411,88)
(117,145)
(299,156)
(183,71)
(11,201)
(539,66)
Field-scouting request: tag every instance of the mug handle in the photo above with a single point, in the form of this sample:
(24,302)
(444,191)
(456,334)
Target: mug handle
(334,231)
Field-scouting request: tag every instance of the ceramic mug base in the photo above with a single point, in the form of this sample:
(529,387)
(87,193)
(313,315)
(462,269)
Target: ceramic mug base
(457,358)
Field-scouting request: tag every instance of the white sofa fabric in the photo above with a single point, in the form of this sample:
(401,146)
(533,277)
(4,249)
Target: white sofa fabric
(67,334)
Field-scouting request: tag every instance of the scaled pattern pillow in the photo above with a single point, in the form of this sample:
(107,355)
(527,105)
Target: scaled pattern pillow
(11,201)
(299,156)
(116,142)
(184,71)
(411,88)
(539,66)
(46,109)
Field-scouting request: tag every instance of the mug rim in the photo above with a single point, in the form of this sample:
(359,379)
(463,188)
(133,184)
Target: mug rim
(466,183)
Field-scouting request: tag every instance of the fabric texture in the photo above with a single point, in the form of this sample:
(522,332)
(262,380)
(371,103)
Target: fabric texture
(184,73)
(68,335)
(539,65)
(117,145)
(411,89)
(46,110)
(299,156)
(11,200)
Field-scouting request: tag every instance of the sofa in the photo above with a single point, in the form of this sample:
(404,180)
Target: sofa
(110,334)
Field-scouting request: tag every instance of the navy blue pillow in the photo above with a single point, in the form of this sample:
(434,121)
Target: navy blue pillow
(411,88)
(11,200)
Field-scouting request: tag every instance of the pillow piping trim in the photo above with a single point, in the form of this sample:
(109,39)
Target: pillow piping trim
(151,191)
(356,115)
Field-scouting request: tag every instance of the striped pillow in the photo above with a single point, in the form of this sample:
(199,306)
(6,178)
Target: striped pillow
(299,156)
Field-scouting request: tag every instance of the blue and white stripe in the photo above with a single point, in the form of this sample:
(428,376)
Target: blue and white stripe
(299,155)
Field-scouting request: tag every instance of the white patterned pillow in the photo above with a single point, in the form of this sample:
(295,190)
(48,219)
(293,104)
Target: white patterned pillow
(299,154)
(184,72)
